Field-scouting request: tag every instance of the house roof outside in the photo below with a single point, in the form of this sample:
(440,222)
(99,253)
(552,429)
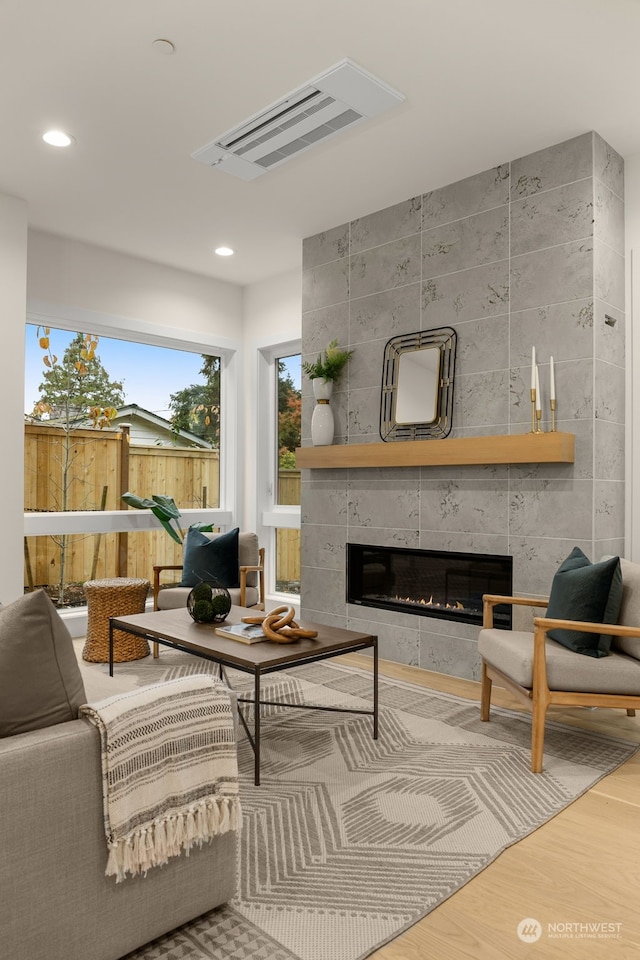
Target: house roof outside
(146,428)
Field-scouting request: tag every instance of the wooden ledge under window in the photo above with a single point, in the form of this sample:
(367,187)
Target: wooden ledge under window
(513,448)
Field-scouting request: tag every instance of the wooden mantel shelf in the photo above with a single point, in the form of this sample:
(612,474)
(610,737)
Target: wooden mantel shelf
(514,448)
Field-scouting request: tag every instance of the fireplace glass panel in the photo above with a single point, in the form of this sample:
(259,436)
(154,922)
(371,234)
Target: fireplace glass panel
(430,583)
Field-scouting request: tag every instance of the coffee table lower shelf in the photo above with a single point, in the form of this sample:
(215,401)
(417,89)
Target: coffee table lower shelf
(175,629)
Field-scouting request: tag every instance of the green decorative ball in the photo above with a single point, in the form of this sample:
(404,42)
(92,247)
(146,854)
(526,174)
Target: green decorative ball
(203,611)
(202,591)
(221,603)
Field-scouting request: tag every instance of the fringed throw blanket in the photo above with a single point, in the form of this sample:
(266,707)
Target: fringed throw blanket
(169,769)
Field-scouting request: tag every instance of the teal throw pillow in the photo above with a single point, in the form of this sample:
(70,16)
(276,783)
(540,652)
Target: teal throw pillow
(210,559)
(587,591)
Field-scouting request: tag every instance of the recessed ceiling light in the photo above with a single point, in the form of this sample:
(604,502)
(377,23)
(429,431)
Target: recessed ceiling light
(163,46)
(224,251)
(57,138)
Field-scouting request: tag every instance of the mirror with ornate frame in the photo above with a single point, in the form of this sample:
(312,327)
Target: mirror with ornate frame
(417,385)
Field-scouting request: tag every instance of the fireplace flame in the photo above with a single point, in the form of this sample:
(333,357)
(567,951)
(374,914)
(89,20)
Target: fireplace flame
(431,603)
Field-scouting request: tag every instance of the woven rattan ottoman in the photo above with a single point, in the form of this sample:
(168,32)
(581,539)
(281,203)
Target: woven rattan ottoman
(115,597)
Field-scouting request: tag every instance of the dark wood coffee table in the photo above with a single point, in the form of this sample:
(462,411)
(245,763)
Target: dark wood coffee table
(176,629)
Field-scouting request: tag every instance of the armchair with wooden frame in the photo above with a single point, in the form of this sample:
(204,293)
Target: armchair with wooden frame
(541,672)
(249,593)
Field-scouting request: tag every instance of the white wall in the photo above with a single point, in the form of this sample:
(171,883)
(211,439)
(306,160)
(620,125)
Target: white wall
(78,276)
(272,315)
(632,253)
(274,306)
(13,270)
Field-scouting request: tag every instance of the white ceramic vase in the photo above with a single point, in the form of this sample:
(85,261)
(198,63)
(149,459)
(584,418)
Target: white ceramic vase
(322,425)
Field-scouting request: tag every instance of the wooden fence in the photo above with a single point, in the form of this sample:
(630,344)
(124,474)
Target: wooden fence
(89,470)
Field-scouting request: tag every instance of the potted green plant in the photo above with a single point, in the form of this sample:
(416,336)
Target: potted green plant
(330,366)
(323,373)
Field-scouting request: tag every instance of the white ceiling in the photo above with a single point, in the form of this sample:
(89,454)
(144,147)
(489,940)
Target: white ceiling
(485,81)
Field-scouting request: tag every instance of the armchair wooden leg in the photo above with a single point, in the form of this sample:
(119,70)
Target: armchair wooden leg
(156,648)
(631,713)
(485,698)
(537,734)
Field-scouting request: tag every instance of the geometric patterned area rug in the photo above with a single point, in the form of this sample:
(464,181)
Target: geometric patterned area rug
(349,841)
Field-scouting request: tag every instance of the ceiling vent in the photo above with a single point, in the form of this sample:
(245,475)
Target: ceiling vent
(334,101)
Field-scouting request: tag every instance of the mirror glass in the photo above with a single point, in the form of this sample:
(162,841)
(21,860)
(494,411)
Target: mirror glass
(417,385)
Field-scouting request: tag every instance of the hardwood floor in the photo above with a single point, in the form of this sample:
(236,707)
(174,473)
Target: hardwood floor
(582,867)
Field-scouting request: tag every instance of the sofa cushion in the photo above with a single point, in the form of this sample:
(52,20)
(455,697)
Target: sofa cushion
(511,652)
(40,681)
(629,608)
(210,557)
(582,590)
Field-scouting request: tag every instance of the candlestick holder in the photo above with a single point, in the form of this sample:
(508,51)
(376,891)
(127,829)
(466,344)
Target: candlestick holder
(553,415)
(539,418)
(533,410)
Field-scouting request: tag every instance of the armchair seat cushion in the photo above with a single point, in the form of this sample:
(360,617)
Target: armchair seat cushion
(511,652)
(174,597)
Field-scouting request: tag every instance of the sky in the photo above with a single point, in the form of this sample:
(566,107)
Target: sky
(149,374)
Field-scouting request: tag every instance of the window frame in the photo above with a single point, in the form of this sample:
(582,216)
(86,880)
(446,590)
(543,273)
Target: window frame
(75,320)
(271,514)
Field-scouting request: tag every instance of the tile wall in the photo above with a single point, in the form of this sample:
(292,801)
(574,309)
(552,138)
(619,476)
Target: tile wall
(528,253)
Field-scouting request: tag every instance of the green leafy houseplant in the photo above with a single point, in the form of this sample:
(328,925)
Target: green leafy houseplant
(330,366)
(164,508)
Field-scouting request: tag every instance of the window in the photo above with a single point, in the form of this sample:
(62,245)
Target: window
(103,416)
(278,431)
(289,418)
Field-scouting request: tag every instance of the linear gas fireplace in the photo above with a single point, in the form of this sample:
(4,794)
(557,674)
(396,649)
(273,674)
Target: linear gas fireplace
(430,583)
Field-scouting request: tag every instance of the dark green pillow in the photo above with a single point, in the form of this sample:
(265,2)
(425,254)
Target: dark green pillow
(582,590)
(210,559)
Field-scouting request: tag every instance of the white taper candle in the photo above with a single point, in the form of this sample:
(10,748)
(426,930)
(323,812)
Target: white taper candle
(538,399)
(533,368)
(552,380)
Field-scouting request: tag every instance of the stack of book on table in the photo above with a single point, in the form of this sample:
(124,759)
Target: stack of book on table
(244,632)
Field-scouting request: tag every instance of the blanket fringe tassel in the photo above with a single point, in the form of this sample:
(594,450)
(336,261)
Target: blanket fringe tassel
(152,844)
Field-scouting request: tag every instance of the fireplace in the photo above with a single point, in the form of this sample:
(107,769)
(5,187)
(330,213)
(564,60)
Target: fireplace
(430,583)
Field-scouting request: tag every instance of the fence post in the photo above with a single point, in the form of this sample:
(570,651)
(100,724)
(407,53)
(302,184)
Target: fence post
(123,538)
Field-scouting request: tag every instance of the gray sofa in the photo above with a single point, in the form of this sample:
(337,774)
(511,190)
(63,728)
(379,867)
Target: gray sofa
(55,901)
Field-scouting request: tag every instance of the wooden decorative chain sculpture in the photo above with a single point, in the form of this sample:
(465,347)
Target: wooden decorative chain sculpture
(280,626)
